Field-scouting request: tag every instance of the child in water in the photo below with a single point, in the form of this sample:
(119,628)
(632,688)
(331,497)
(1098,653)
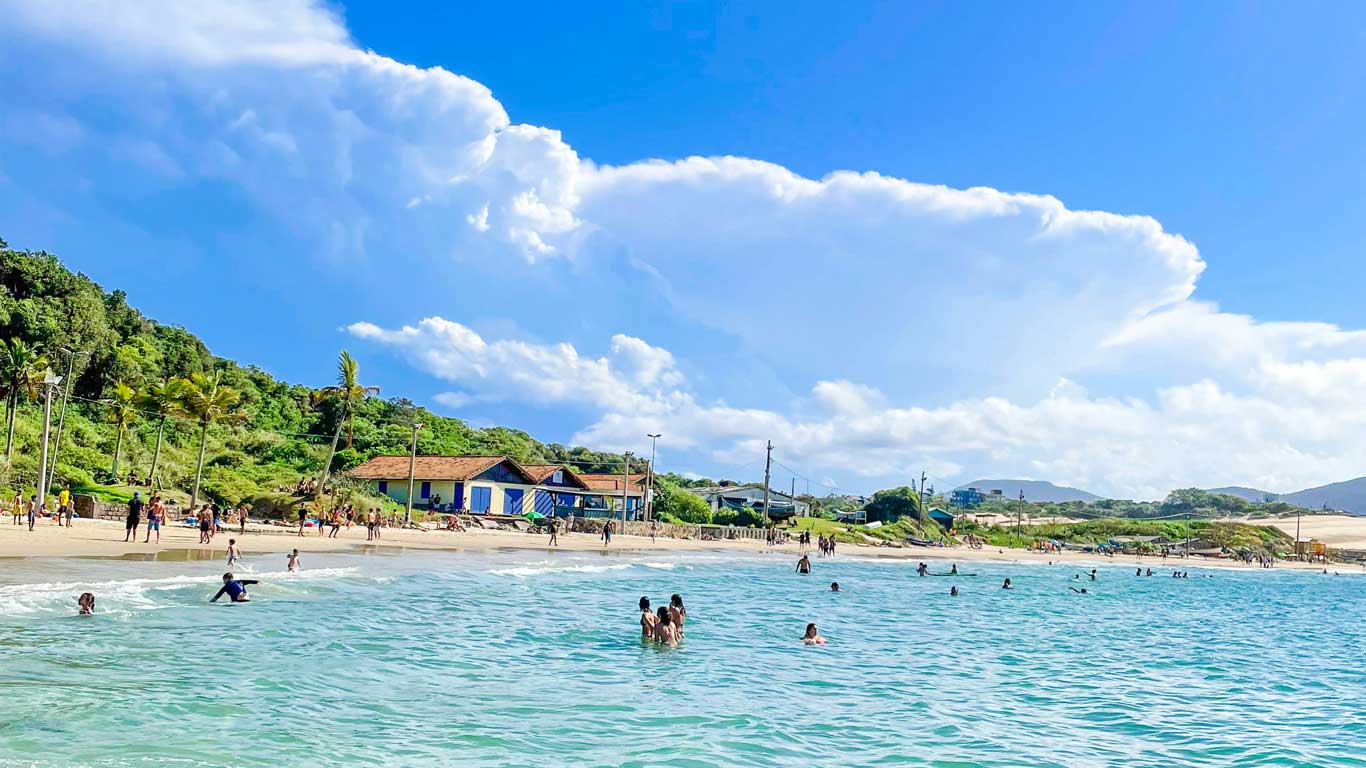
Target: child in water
(235,589)
(234,554)
(813,636)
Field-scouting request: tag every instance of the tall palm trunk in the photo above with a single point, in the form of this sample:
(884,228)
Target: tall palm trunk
(199,468)
(331,454)
(118,446)
(9,438)
(156,454)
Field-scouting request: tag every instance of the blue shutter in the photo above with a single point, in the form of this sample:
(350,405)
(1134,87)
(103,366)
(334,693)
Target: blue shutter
(426,489)
(384,487)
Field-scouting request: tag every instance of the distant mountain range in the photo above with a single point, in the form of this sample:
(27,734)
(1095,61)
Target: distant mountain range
(1348,496)
(1034,490)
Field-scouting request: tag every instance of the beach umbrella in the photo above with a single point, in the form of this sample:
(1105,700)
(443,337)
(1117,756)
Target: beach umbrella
(534,515)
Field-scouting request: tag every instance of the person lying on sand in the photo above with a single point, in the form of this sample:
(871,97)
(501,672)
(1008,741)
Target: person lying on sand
(235,589)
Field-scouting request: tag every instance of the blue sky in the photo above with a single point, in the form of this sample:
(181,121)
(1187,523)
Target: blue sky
(255,173)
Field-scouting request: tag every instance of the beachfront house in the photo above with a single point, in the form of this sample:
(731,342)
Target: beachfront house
(559,490)
(605,494)
(475,484)
(737,497)
(971,498)
(944,519)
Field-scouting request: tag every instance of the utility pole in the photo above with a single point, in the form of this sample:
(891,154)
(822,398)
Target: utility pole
(1019,514)
(412,473)
(650,482)
(1298,515)
(50,380)
(793,497)
(625,487)
(768,465)
(61,419)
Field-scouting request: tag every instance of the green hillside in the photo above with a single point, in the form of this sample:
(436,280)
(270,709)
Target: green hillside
(271,432)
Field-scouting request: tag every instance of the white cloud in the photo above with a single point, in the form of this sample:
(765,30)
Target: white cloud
(993,308)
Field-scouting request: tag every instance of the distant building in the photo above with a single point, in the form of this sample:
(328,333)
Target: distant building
(606,494)
(971,498)
(737,497)
(945,520)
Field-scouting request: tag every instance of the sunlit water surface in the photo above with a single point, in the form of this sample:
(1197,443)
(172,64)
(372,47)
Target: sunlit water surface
(526,659)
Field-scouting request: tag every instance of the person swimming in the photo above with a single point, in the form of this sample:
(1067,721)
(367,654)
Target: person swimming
(1007,585)
(834,586)
(923,570)
(1093,574)
(87,603)
(804,565)
(1081,591)
(953,591)
(812,636)
(235,589)
(954,570)
(648,620)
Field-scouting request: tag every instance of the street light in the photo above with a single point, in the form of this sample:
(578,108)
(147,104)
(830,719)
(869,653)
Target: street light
(61,419)
(50,380)
(625,487)
(650,483)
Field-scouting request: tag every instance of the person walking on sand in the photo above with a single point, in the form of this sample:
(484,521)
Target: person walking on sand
(336,523)
(554,528)
(32,511)
(205,520)
(17,505)
(607,533)
(654,528)
(130,532)
(303,516)
(243,511)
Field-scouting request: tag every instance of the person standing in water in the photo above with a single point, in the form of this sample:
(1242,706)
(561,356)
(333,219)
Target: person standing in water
(953,591)
(804,565)
(648,620)
(1007,585)
(677,613)
(834,586)
(294,561)
(812,636)
(87,603)
(234,554)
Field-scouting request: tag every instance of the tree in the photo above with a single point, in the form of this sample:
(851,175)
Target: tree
(349,392)
(21,371)
(163,400)
(893,504)
(673,504)
(122,412)
(205,399)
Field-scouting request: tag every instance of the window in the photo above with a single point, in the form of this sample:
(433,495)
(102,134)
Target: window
(558,477)
(384,486)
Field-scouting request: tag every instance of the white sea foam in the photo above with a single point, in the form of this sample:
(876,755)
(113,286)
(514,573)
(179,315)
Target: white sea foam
(120,596)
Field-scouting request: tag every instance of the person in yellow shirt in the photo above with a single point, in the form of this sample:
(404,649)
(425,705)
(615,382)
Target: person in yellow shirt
(64,506)
(18,505)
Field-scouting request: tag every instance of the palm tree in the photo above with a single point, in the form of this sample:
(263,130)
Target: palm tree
(21,371)
(164,400)
(205,399)
(351,394)
(122,412)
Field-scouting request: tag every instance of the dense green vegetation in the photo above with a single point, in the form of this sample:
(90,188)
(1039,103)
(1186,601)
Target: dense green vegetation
(152,399)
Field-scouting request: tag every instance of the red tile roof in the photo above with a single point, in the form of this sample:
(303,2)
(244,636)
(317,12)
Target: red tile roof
(613,483)
(542,473)
(433,467)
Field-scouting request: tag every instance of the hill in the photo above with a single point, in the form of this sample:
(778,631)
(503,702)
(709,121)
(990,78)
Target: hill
(1247,494)
(273,434)
(1034,490)
(1348,496)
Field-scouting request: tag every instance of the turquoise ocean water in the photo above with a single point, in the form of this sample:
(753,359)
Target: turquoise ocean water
(524,659)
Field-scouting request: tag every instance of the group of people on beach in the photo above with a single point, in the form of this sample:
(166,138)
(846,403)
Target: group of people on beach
(825,545)
(664,626)
(32,509)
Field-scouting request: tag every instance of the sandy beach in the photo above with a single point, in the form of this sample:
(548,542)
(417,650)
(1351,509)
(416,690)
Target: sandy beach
(104,538)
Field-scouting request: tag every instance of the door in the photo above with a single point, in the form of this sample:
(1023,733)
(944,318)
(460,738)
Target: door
(512,501)
(480,497)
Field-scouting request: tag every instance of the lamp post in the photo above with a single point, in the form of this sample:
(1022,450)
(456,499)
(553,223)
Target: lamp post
(412,470)
(61,418)
(625,487)
(50,380)
(650,482)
